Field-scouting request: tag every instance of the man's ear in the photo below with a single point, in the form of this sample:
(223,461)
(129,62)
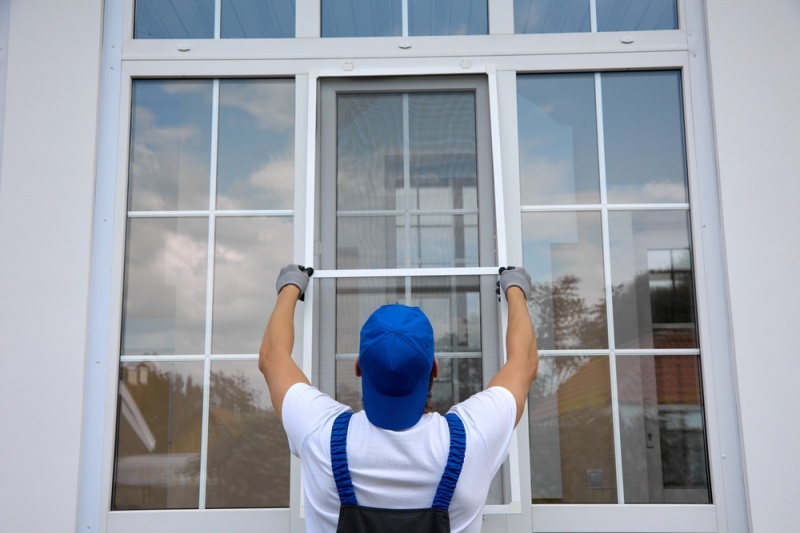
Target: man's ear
(435,371)
(357,368)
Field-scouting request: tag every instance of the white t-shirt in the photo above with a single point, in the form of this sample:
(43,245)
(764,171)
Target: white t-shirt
(398,469)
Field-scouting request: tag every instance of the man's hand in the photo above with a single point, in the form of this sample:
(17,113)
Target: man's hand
(514,277)
(296,275)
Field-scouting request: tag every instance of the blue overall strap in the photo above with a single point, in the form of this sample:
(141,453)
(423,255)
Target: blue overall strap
(455,460)
(341,472)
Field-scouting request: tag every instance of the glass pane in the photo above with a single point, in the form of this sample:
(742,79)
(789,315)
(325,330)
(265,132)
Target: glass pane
(563,252)
(448,17)
(255,163)
(248,454)
(632,15)
(361,18)
(170,159)
(369,151)
(558,139)
(174,19)
(452,304)
(442,151)
(651,271)
(407,241)
(644,139)
(572,434)
(157,463)
(164,300)
(257,18)
(551,16)
(664,456)
(246,248)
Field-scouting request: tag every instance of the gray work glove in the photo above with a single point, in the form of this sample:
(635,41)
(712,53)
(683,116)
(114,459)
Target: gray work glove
(514,277)
(296,275)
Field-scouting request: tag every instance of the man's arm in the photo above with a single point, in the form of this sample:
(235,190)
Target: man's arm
(522,364)
(275,357)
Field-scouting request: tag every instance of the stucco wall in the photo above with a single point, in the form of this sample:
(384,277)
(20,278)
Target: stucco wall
(755,83)
(46,190)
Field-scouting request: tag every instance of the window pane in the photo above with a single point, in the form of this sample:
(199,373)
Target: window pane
(572,435)
(164,298)
(551,16)
(174,19)
(644,140)
(157,462)
(257,18)
(651,271)
(407,241)
(558,139)
(361,18)
(369,151)
(664,456)
(246,248)
(452,304)
(448,17)
(631,15)
(442,151)
(170,159)
(563,252)
(248,454)
(255,164)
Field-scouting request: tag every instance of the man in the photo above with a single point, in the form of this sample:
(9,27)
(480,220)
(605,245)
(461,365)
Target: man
(396,451)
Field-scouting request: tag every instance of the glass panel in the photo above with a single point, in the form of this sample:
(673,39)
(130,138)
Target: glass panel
(443,151)
(174,19)
(257,18)
(164,300)
(170,159)
(448,17)
(361,18)
(440,159)
(248,454)
(644,139)
(572,435)
(452,304)
(664,456)
(255,164)
(632,15)
(412,241)
(558,139)
(551,16)
(563,252)
(246,248)
(157,462)
(369,150)
(651,271)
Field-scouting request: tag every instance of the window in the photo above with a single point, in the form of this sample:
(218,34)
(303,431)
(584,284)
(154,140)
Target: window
(381,18)
(569,16)
(616,413)
(209,211)
(195,19)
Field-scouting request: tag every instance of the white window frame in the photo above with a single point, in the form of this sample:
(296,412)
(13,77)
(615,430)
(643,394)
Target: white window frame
(307,58)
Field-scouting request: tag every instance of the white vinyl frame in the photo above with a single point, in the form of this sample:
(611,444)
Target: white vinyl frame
(306,60)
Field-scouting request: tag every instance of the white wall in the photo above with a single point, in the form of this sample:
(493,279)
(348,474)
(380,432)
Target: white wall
(755,77)
(46,190)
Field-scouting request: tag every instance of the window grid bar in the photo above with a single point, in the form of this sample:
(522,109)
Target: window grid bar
(217,18)
(608,207)
(404,17)
(622,353)
(612,362)
(406,171)
(593,16)
(398,212)
(192,358)
(437,354)
(218,213)
(209,319)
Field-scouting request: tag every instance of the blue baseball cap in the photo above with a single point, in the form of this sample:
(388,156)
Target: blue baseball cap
(396,360)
